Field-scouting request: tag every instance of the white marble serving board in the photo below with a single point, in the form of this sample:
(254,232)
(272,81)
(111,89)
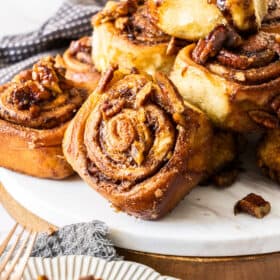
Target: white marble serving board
(202,225)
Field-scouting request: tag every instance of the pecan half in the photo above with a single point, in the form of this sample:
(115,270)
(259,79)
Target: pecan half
(253,205)
(264,118)
(221,36)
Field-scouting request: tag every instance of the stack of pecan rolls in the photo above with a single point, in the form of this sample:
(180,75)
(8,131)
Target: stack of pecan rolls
(153,103)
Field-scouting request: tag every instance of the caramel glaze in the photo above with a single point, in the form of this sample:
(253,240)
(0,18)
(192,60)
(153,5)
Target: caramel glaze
(133,21)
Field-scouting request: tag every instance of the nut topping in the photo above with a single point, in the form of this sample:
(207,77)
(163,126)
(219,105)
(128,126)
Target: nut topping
(221,36)
(254,205)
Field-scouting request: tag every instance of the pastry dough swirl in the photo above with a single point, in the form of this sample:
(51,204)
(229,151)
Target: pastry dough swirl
(139,145)
(79,66)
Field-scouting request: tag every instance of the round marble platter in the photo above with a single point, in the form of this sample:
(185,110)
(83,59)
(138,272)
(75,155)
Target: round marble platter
(202,225)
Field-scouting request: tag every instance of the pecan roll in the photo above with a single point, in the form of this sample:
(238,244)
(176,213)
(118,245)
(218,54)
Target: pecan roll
(235,83)
(271,22)
(79,66)
(136,143)
(125,35)
(193,20)
(35,109)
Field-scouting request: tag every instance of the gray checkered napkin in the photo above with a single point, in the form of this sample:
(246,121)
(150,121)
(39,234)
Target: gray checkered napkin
(71,21)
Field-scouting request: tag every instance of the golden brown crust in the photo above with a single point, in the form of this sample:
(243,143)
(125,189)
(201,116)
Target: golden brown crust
(124,35)
(35,109)
(238,87)
(79,66)
(138,145)
(268,154)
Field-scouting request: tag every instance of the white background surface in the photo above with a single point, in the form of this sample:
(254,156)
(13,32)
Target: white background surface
(18,16)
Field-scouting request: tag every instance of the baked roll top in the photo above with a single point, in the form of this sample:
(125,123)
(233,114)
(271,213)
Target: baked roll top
(139,145)
(236,86)
(193,20)
(125,35)
(35,108)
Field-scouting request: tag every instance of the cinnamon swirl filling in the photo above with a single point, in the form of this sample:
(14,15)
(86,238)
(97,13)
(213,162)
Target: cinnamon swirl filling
(79,66)
(255,62)
(133,142)
(125,35)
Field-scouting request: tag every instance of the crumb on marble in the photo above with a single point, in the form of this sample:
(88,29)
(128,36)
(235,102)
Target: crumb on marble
(253,205)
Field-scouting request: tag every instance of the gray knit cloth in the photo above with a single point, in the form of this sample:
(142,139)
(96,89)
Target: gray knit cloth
(19,52)
(78,239)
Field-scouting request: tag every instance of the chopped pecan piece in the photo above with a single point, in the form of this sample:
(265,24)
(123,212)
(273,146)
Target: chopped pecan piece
(114,10)
(221,36)
(254,205)
(45,74)
(264,119)
(106,79)
(28,94)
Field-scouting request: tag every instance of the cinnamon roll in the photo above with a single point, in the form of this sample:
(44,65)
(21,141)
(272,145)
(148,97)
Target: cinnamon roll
(271,22)
(124,35)
(236,83)
(268,154)
(136,143)
(79,66)
(35,109)
(192,20)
